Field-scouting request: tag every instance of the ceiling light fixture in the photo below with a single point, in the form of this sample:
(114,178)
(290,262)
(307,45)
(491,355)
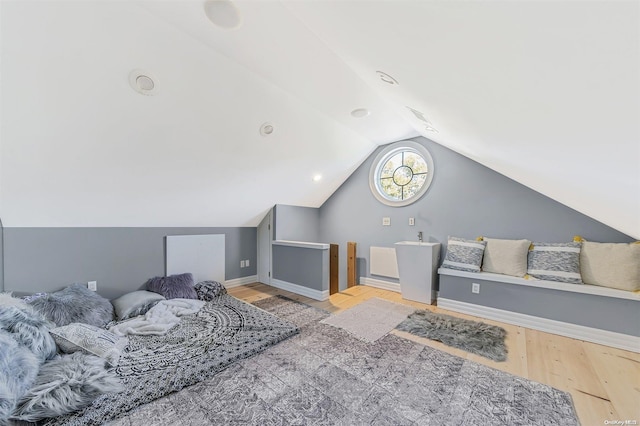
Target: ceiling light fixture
(360,112)
(223,13)
(387,78)
(266,129)
(143,82)
(317,178)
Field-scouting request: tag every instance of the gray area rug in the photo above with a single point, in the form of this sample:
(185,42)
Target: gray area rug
(472,336)
(325,376)
(371,319)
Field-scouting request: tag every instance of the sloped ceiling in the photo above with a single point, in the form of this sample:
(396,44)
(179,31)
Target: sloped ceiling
(547,93)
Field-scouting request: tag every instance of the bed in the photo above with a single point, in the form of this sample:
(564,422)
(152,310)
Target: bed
(224,330)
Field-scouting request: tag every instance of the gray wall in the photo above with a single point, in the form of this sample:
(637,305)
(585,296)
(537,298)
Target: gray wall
(296,223)
(120,259)
(465,199)
(606,313)
(302,266)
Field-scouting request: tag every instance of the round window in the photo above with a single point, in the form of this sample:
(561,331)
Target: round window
(401,173)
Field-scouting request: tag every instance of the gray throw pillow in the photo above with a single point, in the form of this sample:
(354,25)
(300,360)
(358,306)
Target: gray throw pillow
(209,290)
(555,262)
(464,255)
(75,303)
(174,286)
(66,384)
(135,303)
(27,327)
(89,339)
(18,370)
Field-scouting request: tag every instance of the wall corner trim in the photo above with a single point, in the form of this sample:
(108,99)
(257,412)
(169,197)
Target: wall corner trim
(385,285)
(298,289)
(574,331)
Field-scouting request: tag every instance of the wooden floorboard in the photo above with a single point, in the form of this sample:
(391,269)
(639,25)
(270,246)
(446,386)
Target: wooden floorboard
(604,382)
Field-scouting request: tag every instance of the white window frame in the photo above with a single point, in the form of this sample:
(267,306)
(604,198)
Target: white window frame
(383,156)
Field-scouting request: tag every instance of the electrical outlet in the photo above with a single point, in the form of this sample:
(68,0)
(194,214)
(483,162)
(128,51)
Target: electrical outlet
(386,221)
(242,263)
(412,221)
(246,263)
(475,288)
(92,285)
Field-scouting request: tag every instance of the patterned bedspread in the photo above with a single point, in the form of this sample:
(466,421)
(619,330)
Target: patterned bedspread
(225,330)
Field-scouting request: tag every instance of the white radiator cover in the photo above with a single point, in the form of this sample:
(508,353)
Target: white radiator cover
(383,262)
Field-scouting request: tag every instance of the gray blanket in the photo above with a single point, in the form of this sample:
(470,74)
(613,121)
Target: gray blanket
(223,331)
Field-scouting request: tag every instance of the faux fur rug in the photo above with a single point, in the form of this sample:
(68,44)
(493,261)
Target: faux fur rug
(475,337)
(371,319)
(325,376)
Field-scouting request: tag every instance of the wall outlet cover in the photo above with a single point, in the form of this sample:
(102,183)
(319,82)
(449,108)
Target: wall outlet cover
(412,221)
(92,285)
(386,221)
(475,288)
(242,263)
(246,263)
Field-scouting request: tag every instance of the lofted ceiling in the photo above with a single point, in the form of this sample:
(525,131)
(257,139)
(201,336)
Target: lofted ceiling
(546,93)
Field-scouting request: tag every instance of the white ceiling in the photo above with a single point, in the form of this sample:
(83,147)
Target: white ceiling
(547,93)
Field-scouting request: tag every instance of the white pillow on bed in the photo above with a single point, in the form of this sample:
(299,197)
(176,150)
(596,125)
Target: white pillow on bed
(91,340)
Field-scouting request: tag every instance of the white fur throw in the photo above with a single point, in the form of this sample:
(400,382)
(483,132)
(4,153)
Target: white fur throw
(65,384)
(159,319)
(18,369)
(27,327)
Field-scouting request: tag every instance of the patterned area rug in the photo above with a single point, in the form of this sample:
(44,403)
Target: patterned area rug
(325,376)
(472,336)
(371,319)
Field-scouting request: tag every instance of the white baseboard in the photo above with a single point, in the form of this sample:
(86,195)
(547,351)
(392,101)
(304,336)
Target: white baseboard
(298,289)
(385,285)
(241,281)
(580,332)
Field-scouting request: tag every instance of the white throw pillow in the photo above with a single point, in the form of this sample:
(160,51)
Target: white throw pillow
(507,257)
(90,339)
(615,265)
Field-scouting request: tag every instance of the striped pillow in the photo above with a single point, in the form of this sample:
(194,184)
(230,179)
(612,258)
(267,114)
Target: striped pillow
(464,255)
(555,262)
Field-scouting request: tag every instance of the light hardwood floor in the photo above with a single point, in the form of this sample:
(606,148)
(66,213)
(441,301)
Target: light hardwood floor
(604,382)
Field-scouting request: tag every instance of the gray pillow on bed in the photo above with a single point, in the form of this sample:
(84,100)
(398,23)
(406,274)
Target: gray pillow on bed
(135,303)
(75,303)
(18,369)
(209,290)
(27,327)
(173,287)
(65,384)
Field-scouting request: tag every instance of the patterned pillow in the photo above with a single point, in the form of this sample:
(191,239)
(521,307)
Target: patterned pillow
(464,255)
(178,286)
(209,290)
(89,339)
(555,262)
(135,303)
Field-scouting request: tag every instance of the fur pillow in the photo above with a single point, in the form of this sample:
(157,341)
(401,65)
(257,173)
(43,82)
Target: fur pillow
(173,287)
(75,303)
(66,384)
(18,369)
(27,327)
(209,290)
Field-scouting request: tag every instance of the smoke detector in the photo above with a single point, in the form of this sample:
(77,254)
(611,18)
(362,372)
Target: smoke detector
(143,82)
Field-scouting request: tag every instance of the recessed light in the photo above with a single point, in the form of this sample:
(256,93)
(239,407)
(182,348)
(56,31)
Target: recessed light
(266,129)
(223,14)
(143,82)
(387,78)
(360,112)
(317,178)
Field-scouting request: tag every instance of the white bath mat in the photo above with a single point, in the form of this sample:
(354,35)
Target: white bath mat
(370,320)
